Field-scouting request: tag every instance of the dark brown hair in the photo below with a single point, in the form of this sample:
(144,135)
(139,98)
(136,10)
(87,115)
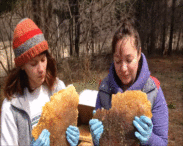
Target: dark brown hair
(126,29)
(17,79)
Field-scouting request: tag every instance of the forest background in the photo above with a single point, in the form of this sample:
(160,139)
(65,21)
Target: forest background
(79,34)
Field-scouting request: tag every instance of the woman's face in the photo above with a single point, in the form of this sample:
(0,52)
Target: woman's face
(36,70)
(126,59)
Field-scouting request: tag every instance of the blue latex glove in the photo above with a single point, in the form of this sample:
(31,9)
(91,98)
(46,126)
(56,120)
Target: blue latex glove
(43,139)
(144,126)
(96,128)
(94,111)
(72,135)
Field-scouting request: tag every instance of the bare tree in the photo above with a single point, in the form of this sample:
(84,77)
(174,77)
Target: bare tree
(171,28)
(178,40)
(164,27)
(7,48)
(36,5)
(71,10)
(47,13)
(77,26)
(92,27)
(152,35)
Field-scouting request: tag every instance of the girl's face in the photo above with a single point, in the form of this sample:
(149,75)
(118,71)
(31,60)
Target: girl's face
(126,59)
(36,70)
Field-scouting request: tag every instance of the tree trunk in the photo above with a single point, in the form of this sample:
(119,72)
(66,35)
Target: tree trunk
(77,27)
(164,27)
(171,28)
(23,8)
(138,15)
(71,36)
(152,39)
(36,5)
(177,48)
(146,38)
(92,29)
(47,17)
(118,11)
(71,3)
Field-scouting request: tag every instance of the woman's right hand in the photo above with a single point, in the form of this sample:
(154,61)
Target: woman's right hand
(96,128)
(43,139)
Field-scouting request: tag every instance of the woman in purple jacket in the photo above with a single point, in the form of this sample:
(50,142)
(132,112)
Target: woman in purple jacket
(129,71)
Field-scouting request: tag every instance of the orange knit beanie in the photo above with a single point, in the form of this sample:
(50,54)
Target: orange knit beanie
(28,41)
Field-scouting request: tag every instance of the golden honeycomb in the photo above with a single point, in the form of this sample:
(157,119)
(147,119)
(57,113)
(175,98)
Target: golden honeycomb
(118,121)
(57,114)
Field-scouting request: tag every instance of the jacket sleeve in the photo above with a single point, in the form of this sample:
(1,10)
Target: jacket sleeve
(159,136)
(98,104)
(9,133)
(103,100)
(104,95)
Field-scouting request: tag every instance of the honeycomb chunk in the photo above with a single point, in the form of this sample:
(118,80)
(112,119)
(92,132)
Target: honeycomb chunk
(118,121)
(57,114)
(85,134)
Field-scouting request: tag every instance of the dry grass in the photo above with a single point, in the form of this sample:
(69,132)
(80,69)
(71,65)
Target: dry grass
(85,70)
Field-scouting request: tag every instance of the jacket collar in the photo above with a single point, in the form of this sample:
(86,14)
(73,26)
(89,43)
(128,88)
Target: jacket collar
(21,102)
(114,81)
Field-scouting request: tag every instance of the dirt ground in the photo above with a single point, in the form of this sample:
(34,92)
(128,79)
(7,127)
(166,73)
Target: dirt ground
(169,71)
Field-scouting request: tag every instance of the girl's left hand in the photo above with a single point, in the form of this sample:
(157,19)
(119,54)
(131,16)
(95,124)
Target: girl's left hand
(144,126)
(43,139)
(96,128)
(72,135)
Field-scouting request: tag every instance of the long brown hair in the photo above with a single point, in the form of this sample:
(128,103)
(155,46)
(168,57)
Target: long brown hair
(127,28)
(17,79)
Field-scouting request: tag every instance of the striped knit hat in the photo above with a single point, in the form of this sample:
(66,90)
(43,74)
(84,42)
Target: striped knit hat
(28,41)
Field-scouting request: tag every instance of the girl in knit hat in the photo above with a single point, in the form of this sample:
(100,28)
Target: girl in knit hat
(28,87)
